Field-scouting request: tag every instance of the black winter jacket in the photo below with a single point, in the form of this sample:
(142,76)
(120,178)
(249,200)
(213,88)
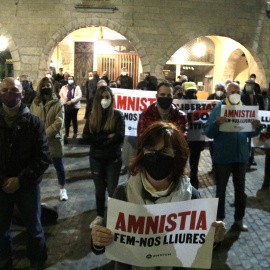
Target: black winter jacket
(257,100)
(102,147)
(24,148)
(126,82)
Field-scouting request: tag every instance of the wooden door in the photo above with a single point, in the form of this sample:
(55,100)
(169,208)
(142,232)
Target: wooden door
(113,63)
(83,62)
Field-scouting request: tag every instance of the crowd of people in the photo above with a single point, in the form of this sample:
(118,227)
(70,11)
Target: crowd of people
(32,138)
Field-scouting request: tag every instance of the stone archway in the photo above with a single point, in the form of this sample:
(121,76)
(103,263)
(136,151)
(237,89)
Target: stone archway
(86,22)
(229,69)
(12,49)
(258,57)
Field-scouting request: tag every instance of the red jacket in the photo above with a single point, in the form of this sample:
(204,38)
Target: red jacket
(151,115)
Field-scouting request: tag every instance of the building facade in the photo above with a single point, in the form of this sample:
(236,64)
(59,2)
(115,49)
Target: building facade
(155,28)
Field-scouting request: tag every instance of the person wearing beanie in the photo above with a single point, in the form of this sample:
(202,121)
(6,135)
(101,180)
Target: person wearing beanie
(191,90)
(195,147)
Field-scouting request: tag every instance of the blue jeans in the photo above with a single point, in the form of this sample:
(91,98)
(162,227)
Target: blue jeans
(60,170)
(223,172)
(28,202)
(105,174)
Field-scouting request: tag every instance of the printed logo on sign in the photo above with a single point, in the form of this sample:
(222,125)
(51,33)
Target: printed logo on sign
(130,128)
(149,256)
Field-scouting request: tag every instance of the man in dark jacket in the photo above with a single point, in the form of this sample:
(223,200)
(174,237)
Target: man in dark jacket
(24,156)
(90,93)
(126,82)
(250,98)
(220,94)
(28,92)
(146,84)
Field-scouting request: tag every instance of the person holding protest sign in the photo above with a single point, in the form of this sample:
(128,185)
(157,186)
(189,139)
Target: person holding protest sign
(220,94)
(230,155)
(104,130)
(157,178)
(163,110)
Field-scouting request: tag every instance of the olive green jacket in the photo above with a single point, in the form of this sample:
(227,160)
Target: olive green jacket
(52,113)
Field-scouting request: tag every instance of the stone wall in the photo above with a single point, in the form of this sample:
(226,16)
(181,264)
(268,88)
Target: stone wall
(156,28)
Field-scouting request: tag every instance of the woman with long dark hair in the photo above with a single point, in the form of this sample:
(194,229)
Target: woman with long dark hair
(70,95)
(104,130)
(47,106)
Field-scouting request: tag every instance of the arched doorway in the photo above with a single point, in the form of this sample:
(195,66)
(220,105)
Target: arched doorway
(96,48)
(6,65)
(223,58)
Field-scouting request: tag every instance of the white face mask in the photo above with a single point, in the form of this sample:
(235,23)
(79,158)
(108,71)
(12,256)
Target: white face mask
(49,76)
(234,98)
(123,73)
(105,103)
(219,93)
(70,81)
(90,78)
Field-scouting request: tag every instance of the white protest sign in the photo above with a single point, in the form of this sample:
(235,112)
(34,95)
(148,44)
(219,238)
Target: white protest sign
(239,118)
(263,140)
(198,112)
(168,234)
(132,103)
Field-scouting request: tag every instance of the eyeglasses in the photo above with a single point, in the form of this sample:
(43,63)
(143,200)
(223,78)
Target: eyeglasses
(165,151)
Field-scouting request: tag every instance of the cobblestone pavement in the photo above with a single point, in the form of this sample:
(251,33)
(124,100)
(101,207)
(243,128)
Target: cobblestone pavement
(68,240)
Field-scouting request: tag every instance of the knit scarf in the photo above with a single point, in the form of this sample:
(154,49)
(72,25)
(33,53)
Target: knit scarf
(69,93)
(180,191)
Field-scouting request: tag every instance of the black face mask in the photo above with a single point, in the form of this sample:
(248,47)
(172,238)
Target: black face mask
(157,165)
(164,102)
(264,93)
(191,94)
(180,95)
(46,91)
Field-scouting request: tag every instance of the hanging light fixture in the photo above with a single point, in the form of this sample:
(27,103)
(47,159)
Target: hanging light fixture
(3,43)
(199,48)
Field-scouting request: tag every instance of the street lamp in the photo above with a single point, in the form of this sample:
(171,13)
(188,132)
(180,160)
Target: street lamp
(3,43)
